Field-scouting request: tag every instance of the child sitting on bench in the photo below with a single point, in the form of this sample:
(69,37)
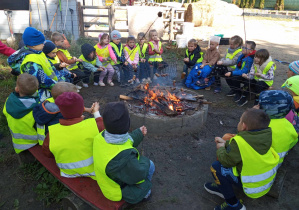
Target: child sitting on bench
(121,172)
(247,161)
(18,112)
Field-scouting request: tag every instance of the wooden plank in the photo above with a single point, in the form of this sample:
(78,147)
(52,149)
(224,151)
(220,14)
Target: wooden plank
(102,30)
(95,23)
(94,15)
(121,19)
(123,30)
(95,7)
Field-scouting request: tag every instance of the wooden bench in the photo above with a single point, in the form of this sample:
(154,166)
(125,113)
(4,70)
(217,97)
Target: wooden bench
(85,188)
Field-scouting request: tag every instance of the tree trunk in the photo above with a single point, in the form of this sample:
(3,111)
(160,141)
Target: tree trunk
(262,4)
(252,3)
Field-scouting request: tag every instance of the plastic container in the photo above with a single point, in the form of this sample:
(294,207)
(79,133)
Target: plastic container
(188,30)
(220,35)
(181,41)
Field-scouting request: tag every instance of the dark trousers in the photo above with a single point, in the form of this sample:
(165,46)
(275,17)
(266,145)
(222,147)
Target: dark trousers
(225,179)
(127,73)
(234,82)
(159,66)
(144,70)
(87,73)
(80,75)
(218,72)
(255,87)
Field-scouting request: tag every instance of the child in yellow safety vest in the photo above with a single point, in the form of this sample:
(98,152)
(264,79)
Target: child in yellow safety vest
(18,112)
(229,62)
(132,56)
(155,51)
(106,56)
(259,78)
(144,72)
(247,160)
(292,86)
(65,57)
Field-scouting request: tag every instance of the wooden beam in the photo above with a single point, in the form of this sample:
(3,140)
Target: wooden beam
(94,15)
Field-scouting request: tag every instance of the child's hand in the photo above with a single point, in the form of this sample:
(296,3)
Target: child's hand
(95,107)
(101,68)
(75,75)
(74,58)
(88,109)
(201,66)
(228,74)
(186,59)
(143,130)
(79,60)
(63,65)
(115,60)
(258,74)
(126,63)
(143,60)
(256,107)
(219,140)
(207,80)
(244,75)
(219,62)
(219,145)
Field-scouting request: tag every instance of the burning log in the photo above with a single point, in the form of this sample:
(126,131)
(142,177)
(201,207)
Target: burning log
(166,109)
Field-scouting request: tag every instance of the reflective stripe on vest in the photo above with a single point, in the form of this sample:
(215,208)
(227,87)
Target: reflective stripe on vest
(41,60)
(231,57)
(284,136)
(199,60)
(69,57)
(80,64)
(22,130)
(143,50)
(72,147)
(102,52)
(265,70)
(258,171)
(77,175)
(131,53)
(156,57)
(118,52)
(103,153)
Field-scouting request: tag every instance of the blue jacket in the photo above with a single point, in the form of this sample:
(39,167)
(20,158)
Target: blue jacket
(248,63)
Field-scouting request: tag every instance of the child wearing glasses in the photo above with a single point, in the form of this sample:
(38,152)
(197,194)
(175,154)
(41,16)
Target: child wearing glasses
(244,63)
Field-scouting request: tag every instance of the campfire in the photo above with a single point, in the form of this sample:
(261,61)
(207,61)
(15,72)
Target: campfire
(167,101)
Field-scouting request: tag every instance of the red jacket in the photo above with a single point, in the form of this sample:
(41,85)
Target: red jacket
(6,50)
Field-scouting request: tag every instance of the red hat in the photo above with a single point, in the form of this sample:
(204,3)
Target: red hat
(71,105)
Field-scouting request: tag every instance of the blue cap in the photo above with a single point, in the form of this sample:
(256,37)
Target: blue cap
(33,37)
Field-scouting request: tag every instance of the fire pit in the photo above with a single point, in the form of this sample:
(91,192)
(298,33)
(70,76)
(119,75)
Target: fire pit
(166,110)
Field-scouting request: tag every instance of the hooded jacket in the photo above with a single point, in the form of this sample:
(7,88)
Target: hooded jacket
(248,59)
(86,49)
(197,55)
(16,59)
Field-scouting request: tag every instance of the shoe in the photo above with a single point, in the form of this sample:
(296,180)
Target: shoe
(137,81)
(110,83)
(208,88)
(243,100)
(102,84)
(78,87)
(78,91)
(237,97)
(231,93)
(85,85)
(95,83)
(217,90)
(226,206)
(213,189)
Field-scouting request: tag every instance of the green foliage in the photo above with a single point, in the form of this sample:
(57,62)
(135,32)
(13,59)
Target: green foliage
(75,49)
(262,4)
(279,5)
(252,4)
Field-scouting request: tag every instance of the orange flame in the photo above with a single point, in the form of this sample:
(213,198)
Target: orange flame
(170,107)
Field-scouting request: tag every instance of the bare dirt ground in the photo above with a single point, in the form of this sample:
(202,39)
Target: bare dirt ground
(183,162)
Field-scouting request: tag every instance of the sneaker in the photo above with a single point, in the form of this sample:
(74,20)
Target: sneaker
(78,91)
(213,189)
(217,90)
(226,206)
(78,87)
(231,93)
(102,84)
(85,85)
(110,83)
(237,97)
(95,83)
(243,100)
(208,88)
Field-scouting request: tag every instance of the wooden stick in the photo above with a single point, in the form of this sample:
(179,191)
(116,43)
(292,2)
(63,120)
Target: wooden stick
(123,97)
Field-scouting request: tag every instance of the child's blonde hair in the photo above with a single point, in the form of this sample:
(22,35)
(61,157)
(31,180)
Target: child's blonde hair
(192,41)
(237,40)
(27,84)
(102,36)
(61,87)
(263,55)
(151,32)
(56,36)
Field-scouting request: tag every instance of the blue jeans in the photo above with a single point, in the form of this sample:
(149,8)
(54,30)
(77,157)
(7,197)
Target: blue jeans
(225,178)
(144,69)
(150,175)
(186,70)
(127,73)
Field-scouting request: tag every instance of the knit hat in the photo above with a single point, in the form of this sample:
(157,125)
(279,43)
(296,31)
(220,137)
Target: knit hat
(115,35)
(86,49)
(293,84)
(276,103)
(294,67)
(49,47)
(215,39)
(33,37)
(116,118)
(70,104)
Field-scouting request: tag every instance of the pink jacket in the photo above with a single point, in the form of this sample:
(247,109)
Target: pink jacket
(136,57)
(6,50)
(111,53)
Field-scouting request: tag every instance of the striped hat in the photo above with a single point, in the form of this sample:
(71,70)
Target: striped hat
(294,67)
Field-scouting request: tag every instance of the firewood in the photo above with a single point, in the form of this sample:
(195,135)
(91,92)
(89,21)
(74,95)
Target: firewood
(123,97)
(157,75)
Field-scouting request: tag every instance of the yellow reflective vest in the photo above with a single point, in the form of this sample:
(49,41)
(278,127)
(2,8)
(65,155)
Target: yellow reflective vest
(265,70)
(284,137)
(258,171)
(103,153)
(142,51)
(72,147)
(156,57)
(131,53)
(55,60)
(94,62)
(41,132)
(231,57)
(22,130)
(41,60)
(199,60)
(118,52)
(103,52)
(69,57)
